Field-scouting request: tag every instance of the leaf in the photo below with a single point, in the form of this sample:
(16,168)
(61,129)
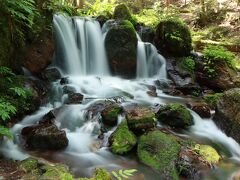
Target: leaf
(5,132)
(121,174)
(116,175)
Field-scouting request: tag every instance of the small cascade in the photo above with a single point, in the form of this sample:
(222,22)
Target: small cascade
(80,46)
(150,62)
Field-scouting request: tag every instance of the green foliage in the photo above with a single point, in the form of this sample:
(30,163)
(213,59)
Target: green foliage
(20,15)
(123,174)
(212,99)
(219,54)
(5,132)
(99,7)
(188,64)
(6,110)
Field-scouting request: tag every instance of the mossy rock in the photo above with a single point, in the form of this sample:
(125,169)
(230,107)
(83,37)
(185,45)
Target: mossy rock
(227,114)
(101,174)
(29,164)
(57,172)
(110,115)
(122,12)
(208,153)
(159,151)
(121,47)
(122,140)
(173,37)
(141,119)
(175,115)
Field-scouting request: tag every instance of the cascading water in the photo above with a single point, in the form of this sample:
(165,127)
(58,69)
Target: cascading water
(80,46)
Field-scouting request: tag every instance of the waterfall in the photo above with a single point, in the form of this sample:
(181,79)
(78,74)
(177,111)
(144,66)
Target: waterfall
(149,62)
(80,46)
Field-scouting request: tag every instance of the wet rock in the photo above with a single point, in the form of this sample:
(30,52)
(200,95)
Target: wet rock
(152,93)
(175,115)
(162,84)
(122,140)
(140,119)
(190,89)
(64,80)
(227,115)
(173,92)
(121,47)
(146,33)
(110,114)
(159,151)
(69,90)
(102,19)
(75,98)
(217,75)
(45,137)
(193,161)
(200,108)
(51,74)
(122,12)
(50,117)
(173,37)
(39,55)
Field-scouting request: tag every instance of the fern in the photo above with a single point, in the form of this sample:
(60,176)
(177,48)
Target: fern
(5,132)
(6,110)
(5,71)
(123,173)
(21,92)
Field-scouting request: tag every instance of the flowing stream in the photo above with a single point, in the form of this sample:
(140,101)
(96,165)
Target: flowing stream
(81,56)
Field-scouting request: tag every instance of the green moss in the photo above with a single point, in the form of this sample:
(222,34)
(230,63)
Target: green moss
(122,12)
(212,99)
(56,172)
(208,153)
(159,151)
(122,140)
(29,164)
(141,118)
(175,115)
(101,174)
(114,112)
(173,37)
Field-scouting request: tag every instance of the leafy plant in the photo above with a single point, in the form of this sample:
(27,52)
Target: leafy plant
(188,63)
(5,132)
(119,175)
(6,109)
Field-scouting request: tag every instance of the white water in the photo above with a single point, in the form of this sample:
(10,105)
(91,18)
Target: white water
(80,45)
(76,37)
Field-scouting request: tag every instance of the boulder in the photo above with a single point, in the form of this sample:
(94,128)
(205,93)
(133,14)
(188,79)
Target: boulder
(202,109)
(141,119)
(75,98)
(102,19)
(227,115)
(69,89)
(110,114)
(146,33)
(64,80)
(122,12)
(122,140)
(173,38)
(193,161)
(159,151)
(175,115)
(39,55)
(51,74)
(216,69)
(45,137)
(121,47)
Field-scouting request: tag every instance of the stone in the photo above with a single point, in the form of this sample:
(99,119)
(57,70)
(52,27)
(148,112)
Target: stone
(175,115)
(51,74)
(122,140)
(110,114)
(75,98)
(202,109)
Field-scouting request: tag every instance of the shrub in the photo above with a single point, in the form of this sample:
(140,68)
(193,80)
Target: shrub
(188,64)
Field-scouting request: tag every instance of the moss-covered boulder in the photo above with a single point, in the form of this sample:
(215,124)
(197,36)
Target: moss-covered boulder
(110,114)
(194,160)
(122,12)
(173,37)
(121,47)
(175,115)
(159,151)
(101,174)
(227,115)
(216,69)
(122,140)
(141,119)
(56,172)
